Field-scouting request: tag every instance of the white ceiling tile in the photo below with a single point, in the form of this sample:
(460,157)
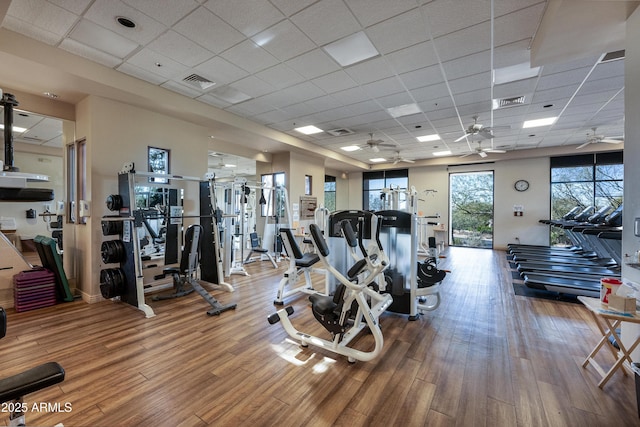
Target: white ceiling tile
(167,12)
(280,76)
(105,12)
(465,42)
(73,6)
(398,33)
(181,88)
(142,74)
(299,110)
(206,29)
(326,21)
(422,77)
(31,31)
(290,7)
(275,116)
(446,17)
(518,25)
(370,71)
(45,16)
(247,16)
(251,85)
(334,82)
(249,56)
(431,93)
(383,87)
(251,107)
(511,54)
(102,39)
(370,12)
(350,96)
(517,88)
(313,64)
(402,98)
(284,41)
(229,94)
(467,66)
(363,107)
(550,81)
(212,100)
(148,59)
(84,51)
(470,83)
(322,103)
(301,92)
(220,71)
(412,58)
(179,48)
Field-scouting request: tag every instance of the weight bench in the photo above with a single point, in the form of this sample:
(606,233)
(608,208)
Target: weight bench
(15,387)
(255,247)
(186,273)
(299,264)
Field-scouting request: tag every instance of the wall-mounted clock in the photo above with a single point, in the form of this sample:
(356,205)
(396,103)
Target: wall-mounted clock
(521,185)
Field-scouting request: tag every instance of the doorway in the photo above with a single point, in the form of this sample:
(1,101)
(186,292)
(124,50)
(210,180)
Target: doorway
(471,209)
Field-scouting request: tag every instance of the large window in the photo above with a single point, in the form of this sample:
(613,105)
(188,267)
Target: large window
(471,209)
(330,192)
(274,183)
(586,180)
(374,182)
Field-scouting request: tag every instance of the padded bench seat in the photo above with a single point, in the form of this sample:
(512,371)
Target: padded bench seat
(34,379)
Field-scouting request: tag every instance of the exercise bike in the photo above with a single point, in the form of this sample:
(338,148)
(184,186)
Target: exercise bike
(355,305)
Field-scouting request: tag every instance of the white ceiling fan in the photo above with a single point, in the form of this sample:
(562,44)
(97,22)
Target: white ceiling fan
(479,130)
(375,144)
(482,152)
(596,139)
(398,158)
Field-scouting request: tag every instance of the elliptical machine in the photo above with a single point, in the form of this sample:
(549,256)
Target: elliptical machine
(355,305)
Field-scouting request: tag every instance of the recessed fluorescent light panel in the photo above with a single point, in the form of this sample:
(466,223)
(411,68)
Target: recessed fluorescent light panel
(352,49)
(309,130)
(404,110)
(229,165)
(378,160)
(350,148)
(442,153)
(539,122)
(514,73)
(427,138)
(16,129)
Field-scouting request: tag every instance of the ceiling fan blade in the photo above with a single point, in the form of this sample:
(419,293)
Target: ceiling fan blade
(463,137)
(583,145)
(467,155)
(395,162)
(491,150)
(407,160)
(375,148)
(482,154)
(612,141)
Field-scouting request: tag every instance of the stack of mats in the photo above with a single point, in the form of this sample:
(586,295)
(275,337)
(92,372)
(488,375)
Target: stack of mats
(33,289)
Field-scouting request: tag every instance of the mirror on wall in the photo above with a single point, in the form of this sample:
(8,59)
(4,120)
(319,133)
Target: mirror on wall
(31,128)
(229,166)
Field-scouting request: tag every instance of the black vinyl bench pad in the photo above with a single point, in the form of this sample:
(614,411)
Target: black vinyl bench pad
(29,381)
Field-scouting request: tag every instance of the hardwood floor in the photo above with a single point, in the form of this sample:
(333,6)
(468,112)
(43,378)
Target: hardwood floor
(485,357)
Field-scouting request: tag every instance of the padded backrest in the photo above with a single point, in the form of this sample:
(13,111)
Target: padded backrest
(318,240)
(349,234)
(255,242)
(189,246)
(297,253)
(3,322)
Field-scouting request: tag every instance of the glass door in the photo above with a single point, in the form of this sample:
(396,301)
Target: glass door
(471,209)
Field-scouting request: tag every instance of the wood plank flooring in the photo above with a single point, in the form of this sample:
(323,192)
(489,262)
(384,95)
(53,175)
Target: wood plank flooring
(485,357)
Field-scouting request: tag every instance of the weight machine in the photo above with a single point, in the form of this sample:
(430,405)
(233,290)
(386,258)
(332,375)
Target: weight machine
(126,282)
(355,305)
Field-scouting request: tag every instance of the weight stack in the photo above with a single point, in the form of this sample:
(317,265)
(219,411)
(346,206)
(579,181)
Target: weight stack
(35,288)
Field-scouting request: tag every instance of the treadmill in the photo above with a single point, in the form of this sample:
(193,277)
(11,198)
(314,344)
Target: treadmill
(579,279)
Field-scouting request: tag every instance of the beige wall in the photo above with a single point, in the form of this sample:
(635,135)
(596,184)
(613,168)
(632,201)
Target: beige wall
(117,133)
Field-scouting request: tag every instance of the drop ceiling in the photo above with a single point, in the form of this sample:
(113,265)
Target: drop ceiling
(268,61)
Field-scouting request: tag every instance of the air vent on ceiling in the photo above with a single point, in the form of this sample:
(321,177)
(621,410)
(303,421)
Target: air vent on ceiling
(509,102)
(613,56)
(198,81)
(340,132)
(31,139)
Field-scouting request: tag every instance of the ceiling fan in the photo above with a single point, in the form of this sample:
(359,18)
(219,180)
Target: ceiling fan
(398,158)
(479,130)
(482,152)
(375,144)
(596,139)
